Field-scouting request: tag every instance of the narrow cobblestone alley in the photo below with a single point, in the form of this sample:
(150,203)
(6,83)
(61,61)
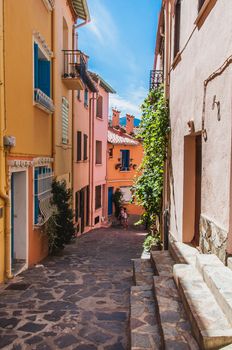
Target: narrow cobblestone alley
(79,300)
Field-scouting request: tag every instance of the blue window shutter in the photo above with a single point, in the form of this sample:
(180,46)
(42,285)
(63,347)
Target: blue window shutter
(44,77)
(36,202)
(36,66)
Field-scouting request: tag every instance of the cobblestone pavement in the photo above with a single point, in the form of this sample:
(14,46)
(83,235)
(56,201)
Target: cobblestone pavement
(79,300)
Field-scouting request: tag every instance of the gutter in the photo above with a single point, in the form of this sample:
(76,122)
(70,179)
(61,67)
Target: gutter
(4,190)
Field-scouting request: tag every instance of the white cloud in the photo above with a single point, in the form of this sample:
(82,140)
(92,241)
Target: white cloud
(130,103)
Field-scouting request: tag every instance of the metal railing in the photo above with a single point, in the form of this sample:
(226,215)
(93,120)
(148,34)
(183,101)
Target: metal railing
(43,100)
(156,78)
(75,64)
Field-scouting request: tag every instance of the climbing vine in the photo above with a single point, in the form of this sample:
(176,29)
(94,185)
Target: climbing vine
(148,186)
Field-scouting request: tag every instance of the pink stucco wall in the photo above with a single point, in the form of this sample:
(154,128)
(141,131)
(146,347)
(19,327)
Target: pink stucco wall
(99,171)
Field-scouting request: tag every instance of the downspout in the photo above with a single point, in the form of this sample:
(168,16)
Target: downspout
(4,190)
(53,92)
(92,160)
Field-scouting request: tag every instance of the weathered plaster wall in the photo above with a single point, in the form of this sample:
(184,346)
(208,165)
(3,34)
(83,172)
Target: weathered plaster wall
(206,51)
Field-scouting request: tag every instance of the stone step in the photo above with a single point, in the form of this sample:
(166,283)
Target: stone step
(143,272)
(143,321)
(183,253)
(162,262)
(174,324)
(209,324)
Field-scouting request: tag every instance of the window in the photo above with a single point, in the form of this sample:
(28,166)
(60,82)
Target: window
(65,110)
(177,28)
(200,4)
(43,177)
(98,197)
(98,152)
(79,142)
(86,98)
(42,71)
(111,152)
(85,147)
(125,160)
(126,192)
(79,95)
(100,107)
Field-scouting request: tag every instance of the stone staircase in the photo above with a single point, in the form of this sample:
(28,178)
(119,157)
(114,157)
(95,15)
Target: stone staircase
(181,300)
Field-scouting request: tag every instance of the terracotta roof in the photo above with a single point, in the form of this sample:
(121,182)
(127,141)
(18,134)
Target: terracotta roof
(116,139)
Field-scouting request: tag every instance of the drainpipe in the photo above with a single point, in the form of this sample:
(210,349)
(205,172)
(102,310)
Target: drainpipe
(4,190)
(92,148)
(53,90)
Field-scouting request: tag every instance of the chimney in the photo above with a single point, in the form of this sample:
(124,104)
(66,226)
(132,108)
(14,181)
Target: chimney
(129,123)
(115,118)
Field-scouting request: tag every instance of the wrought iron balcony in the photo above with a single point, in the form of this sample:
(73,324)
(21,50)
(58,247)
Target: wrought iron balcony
(156,78)
(43,101)
(75,69)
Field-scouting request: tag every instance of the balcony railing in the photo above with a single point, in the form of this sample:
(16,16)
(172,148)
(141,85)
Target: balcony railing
(156,78)
(75,67)
(43,101)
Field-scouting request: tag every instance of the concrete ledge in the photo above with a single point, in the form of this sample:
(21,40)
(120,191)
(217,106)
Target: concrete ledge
(203,260)
(229,263)
(209,324)
(219,280)
(186,271)
(183,253)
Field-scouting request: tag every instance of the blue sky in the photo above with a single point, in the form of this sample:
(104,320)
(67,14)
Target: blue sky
(120,40)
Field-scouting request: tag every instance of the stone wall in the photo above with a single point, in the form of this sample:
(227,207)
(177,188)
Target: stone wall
(213,239)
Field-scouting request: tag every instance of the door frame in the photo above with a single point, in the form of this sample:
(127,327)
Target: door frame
(13,170)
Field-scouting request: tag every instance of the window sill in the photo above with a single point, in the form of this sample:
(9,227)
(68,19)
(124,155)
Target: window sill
(176,60)
(202,13)
(98,164)
(99,118)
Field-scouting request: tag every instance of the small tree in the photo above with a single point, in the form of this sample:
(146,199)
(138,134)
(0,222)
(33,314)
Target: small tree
(117,200)
(60,227)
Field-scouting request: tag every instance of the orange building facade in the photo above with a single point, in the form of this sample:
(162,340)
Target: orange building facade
(125,154)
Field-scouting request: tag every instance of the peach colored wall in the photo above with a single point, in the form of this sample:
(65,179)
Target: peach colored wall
(31,126)
(63,153)
(117,178)
(198,61)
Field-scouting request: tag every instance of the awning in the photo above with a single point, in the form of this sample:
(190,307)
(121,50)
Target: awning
(81,9)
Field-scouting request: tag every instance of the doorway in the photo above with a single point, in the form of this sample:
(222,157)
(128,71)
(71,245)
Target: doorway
(82,209)
(192,188)
(18,221)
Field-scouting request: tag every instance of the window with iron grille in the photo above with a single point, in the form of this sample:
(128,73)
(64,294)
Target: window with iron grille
(200,4)
(177,27)
(65,110)
(79,144)
(98,152)
(98,194)
(43,177)
(100,107)
(85,147)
